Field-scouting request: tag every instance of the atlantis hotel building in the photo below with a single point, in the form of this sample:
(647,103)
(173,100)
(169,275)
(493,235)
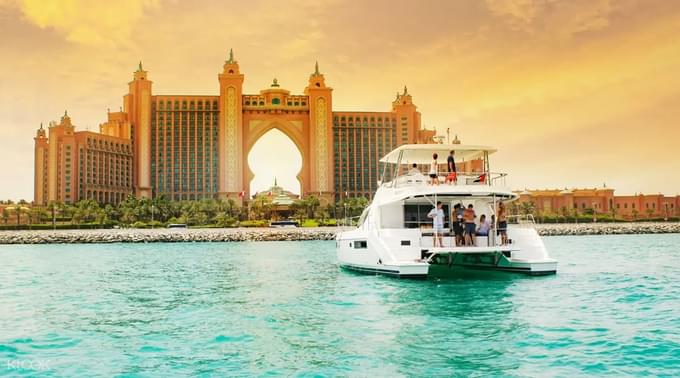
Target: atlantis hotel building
(190,147)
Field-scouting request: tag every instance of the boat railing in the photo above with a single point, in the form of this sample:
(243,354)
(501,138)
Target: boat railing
(526,220)
(491,239)
(459,178)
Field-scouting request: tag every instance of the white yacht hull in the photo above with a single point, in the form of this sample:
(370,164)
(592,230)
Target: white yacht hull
(373,252)
(417,271)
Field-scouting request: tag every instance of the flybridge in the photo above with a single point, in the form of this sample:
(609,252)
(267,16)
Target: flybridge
(402,166)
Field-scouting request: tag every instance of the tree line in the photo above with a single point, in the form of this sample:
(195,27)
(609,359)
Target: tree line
(159,211)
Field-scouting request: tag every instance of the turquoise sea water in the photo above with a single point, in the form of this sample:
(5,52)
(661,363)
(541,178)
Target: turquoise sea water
(284,308)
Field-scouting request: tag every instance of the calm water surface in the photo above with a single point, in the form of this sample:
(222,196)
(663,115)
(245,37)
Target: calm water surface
(284,308)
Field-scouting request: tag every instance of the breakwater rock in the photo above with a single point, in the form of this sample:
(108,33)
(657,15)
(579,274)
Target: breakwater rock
(608,228)
(288,234)
(167,235)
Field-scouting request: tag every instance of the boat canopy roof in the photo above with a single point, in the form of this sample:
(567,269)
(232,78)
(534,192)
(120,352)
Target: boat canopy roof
(422,153)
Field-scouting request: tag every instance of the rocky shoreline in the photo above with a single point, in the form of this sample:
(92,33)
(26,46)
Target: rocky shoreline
(167,235)
(608,228)
(289,234)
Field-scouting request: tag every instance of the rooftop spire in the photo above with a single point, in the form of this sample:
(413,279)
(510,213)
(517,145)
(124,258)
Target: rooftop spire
(65,113)
(397,95)
(140,66)
(41,126)
(231,56)
(316,68)
(405,91)
(275,181)
(275,83)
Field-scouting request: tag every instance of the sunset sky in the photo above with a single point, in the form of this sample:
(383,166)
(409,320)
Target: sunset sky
(573,93)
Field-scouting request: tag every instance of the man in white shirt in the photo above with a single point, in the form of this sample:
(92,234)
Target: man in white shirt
(437,216)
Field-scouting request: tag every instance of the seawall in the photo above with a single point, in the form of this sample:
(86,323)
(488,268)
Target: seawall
(288,234)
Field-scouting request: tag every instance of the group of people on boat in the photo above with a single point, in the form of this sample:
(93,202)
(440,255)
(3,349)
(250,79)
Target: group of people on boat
(433,173)
(451,172)
(451,176)
(464,226)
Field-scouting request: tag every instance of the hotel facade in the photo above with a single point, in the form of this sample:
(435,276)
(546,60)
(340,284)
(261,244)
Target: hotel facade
(601,201)
(190,147)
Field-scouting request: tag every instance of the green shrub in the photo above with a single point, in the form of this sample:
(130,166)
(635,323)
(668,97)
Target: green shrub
(139,224)
(329,222)
(61,226)
(310,223)
(253,223)
(156,224)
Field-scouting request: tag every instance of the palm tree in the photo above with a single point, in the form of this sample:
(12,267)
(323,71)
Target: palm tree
(18,210)
(311,204)
(649,212)
(565,212)
(4,215)
(527,208)
(56,207)
(299,209)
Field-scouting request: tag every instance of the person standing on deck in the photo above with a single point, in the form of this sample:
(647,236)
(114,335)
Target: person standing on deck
(502,223)
(457,224)
(437,216)
(469,219)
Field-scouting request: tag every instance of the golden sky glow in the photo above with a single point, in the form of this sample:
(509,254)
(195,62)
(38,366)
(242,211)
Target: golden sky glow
(573,93)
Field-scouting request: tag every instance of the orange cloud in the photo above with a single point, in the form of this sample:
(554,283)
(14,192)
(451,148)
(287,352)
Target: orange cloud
(93,23)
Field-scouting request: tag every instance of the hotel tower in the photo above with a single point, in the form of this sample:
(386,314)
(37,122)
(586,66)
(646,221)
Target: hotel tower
(190,147)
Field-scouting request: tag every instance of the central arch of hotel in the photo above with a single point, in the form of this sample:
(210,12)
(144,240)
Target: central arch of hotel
(295,129)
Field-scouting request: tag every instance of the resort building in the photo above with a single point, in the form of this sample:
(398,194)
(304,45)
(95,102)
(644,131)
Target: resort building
(601,201)
(279,201)
(73,165)
(191,147)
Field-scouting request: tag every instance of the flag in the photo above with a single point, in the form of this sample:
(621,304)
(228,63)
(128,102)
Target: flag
(269,194)
(242,193)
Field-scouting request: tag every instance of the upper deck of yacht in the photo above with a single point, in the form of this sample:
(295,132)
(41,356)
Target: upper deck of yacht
(472,162)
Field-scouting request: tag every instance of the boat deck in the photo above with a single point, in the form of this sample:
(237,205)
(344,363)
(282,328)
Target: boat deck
(472,250)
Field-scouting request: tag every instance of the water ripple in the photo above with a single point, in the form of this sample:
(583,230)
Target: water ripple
(283,308)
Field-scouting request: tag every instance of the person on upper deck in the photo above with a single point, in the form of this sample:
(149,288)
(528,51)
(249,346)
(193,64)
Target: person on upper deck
(452,177)
(469,219)
(414,170)
(434,180)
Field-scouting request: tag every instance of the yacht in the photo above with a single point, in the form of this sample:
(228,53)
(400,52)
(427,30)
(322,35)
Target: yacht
(395,236)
